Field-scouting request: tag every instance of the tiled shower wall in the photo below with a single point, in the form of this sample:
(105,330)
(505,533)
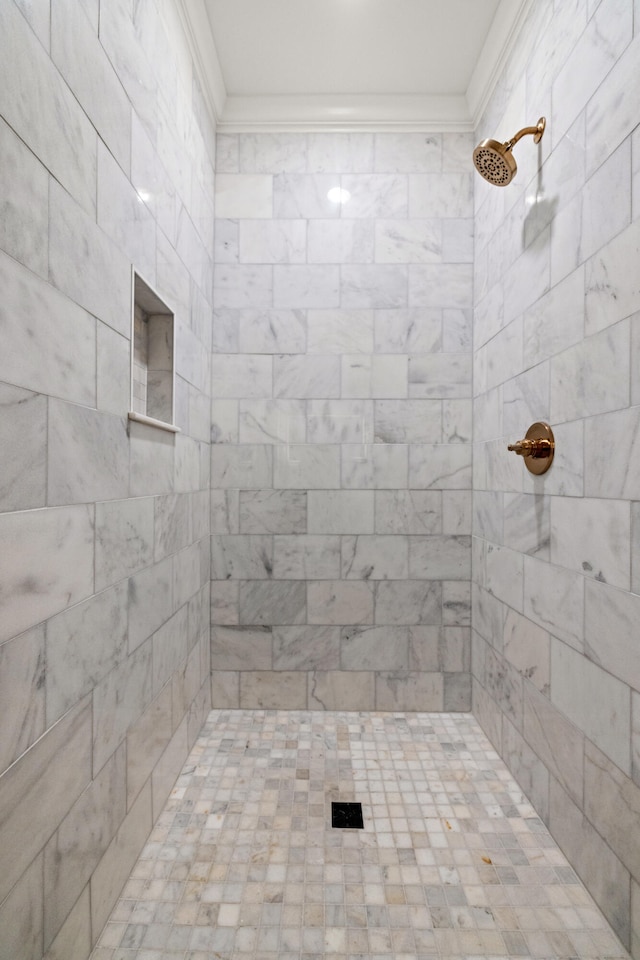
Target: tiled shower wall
(556,657)
(341,454)
(106,162)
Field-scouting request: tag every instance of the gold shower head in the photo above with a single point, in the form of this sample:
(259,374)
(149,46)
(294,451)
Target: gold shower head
(495,162)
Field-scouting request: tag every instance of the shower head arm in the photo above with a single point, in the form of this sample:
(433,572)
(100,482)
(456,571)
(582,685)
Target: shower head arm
(536,131)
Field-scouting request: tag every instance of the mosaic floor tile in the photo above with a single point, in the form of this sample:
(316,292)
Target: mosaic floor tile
(452,861)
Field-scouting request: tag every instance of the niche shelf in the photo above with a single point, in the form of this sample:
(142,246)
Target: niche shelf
(152,359)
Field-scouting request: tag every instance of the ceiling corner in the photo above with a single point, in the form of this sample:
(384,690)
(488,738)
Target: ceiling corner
(500,41)
(205,56)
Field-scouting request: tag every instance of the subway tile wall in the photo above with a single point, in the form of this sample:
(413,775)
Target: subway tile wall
(341,422)
(106,152)
(556,601)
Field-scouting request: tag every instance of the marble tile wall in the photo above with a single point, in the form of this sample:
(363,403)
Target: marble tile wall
(341,453)
(341,422)
(556,599)
(107,156)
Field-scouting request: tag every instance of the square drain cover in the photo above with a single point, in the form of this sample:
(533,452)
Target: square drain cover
(347,815)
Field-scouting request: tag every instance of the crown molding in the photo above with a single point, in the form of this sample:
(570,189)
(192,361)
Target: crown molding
(505,30)
(202,46)
(336,113)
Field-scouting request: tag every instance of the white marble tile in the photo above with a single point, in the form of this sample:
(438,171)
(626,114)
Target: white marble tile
(457,417)
(33,310)
(409,241)
(73,940)
(527,647)
(408,512)
(595,701)
(86,265)
(606,128)
(152,460)
(612,455)
(22,688)
(440,375)
(408,153)
(306,648)
(172,524)
(227,241)
(612,288)
(339,602)
(248,466)
(150,601)
(225,603)
(227,153)
(312,466)
(340,152)
(408,602)
(543,335)
(340,331)
(527,524)
(611,618)
(224,425)
(47,564)
(113,370)
(441,195)
(457,241)
(339,421)
(592,537)
(269,602)
(123,217)
(375,195)
(440,285)
(298,196)
(272,241)
(412,331)
(269,691)
(306,557)
(606,203)
(374,466)
(243,376)
(374,376)
(243,286)
(591,59)
(504,575)
(420,691)
(58,763)
(369,557)
(23,439)
(341,512)
(247,557)
(85,66)
(593,376)
(97,446)
(635,174)
(24,195)
(366,286)
(298,286)
(273,421)
(440,466)
(59,132)
(170,648)
(124,539)
(232,648)
(271,331)
(408,421)
(244,196)
(302,376)
(274,511)
(528,278)
(374,648)
(440,557)
(81,840)
(272,153)
(340,241)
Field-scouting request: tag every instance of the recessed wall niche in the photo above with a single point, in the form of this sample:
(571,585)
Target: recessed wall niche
(152,358)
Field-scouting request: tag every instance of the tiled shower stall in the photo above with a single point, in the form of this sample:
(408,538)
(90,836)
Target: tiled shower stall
(306,540)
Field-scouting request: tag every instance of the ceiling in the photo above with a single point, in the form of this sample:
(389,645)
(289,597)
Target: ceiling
(405,64)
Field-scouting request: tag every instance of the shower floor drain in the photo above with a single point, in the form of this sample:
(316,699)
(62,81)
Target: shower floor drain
(347,815)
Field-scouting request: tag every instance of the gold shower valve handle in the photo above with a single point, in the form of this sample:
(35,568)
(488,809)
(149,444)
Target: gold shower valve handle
(537,448)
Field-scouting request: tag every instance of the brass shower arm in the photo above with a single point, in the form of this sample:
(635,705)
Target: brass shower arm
(536,131)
